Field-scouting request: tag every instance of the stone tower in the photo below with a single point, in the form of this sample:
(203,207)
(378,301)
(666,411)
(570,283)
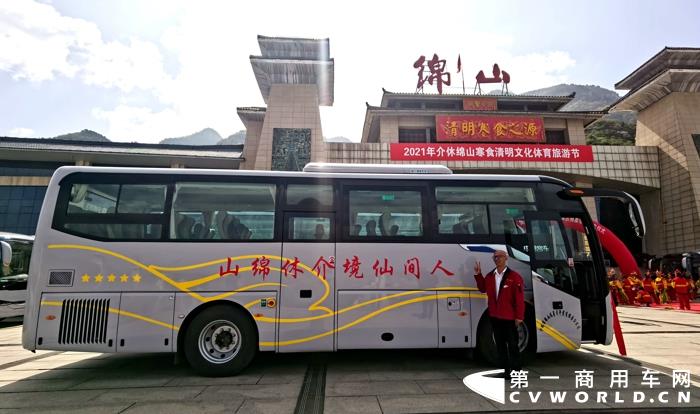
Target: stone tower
(295,77)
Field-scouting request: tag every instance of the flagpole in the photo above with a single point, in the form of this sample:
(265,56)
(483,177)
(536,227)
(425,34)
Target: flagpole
(459,69)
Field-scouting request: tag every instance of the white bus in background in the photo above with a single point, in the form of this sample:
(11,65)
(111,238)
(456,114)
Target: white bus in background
(15,252)
(218,265)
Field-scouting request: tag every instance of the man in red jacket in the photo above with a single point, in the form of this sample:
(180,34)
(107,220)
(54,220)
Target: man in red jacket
(504,290)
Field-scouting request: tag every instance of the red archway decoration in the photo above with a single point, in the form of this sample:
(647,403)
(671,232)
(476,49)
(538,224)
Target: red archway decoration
(611,243)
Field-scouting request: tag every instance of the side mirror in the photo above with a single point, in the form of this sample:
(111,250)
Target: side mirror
(634,210)
(6,254)
(635,215)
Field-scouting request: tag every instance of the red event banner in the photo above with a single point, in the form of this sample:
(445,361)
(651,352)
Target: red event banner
(491,152)
(477,128)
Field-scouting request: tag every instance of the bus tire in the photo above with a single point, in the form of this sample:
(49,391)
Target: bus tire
(528,344)
(220,341)
(485,343)
(527,339)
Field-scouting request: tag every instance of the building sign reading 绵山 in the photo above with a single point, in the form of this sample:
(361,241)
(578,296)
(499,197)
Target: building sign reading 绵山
(477,128)
(490,152)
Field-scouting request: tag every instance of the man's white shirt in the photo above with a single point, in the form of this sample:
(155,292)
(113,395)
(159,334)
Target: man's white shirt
(499,277)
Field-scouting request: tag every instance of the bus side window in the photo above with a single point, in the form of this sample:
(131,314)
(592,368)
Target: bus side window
(310,197)
(114,211)
(309,228)
(509,218)
(462,219)
(223,211)
(385,213)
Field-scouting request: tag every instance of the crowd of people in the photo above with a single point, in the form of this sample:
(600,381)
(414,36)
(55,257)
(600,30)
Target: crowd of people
(654,288)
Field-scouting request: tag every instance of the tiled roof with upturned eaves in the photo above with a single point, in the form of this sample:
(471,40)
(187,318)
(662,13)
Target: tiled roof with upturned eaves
(50,144)
(469,95)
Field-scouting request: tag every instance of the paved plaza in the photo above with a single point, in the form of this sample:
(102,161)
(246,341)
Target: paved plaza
(407,381)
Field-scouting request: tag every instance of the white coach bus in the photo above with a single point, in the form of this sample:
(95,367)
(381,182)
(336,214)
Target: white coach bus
(15,252)
(218,265)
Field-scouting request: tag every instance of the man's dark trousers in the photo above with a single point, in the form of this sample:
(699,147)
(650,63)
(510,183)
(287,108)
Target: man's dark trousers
(506,335)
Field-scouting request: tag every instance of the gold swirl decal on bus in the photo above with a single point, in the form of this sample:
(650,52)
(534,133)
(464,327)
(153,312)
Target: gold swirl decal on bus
(355,322)
(185,286)
(556,335)
(123,313)
(362,304)
(372,315)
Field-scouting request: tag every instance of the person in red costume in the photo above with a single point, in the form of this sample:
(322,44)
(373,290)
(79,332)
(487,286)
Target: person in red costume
(682,287)
(630,287)
(506,301)
(669,285)
(650,287)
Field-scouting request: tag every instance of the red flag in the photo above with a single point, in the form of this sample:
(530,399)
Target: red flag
(459,63)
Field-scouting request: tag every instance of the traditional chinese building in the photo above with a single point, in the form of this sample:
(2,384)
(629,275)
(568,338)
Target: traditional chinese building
(469,133)
(665,91)
(511,134)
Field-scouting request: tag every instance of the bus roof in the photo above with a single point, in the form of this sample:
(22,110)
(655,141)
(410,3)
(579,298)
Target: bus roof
(62,172)
(324,167)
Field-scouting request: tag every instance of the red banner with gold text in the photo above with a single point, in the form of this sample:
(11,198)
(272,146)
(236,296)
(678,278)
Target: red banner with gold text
(491,152)
(476,128)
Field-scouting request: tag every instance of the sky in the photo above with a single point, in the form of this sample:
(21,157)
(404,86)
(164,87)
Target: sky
(144,70)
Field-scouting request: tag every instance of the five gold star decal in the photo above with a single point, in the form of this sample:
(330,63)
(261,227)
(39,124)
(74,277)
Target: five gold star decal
(111,278)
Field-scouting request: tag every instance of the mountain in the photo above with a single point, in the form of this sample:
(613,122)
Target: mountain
(616,128)
(84,135)
(609,132)
(235,139)
(588,97)
(626,117)
(207,136)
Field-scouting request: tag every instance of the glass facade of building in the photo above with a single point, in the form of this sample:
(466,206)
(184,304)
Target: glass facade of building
(27,169)
(19,208)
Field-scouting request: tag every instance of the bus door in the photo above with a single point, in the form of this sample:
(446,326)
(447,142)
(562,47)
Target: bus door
(307,298)
(591,289)
(557,308)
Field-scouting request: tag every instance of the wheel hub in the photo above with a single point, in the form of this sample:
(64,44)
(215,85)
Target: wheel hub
(223,339)
(220,341)
(523,337)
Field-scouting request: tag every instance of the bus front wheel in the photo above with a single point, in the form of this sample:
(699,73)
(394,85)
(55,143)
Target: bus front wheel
(220,341)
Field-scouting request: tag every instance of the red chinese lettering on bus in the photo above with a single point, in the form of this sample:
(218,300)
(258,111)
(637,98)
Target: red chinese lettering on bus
(322,264)
(352,268)
(261,266)
(383,270)
(412,267)
(438,266)
(291,266)
(228,271)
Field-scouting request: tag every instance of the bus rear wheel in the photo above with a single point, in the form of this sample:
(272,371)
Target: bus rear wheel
(220,341)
